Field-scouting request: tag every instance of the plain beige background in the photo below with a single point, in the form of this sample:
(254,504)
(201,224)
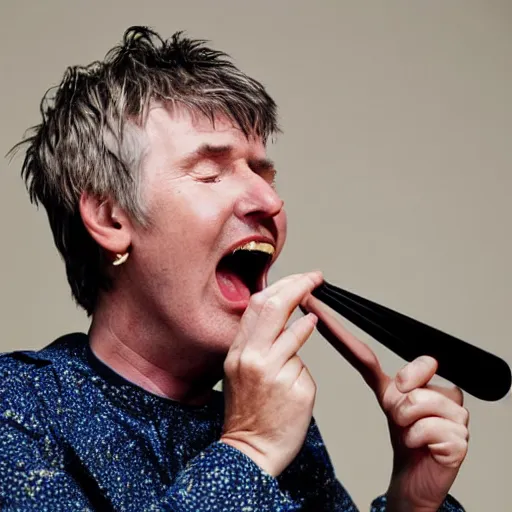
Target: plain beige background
(395,166)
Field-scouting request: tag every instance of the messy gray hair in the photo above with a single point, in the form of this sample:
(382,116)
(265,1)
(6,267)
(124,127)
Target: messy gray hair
(82,143)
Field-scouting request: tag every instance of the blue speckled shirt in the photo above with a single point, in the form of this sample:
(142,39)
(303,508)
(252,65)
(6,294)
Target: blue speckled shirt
(75,436)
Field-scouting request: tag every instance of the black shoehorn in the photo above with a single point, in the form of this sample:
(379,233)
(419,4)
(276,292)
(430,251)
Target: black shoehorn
(474,370)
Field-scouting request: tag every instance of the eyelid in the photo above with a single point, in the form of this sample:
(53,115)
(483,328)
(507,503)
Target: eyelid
(209,171)
(211,179)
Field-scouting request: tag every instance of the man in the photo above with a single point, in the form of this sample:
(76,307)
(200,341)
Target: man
(153,171)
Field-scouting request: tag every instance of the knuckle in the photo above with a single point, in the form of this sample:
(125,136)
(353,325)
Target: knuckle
(459,395)
(403,374)
(257,301)
(306,393)
(309,386)
(252,363)
(409,437)
(297,330)
(414,397)
(230,365)
(272,305)
(465,434)
(400,416)
(460,451)
(464,416)
(464,449)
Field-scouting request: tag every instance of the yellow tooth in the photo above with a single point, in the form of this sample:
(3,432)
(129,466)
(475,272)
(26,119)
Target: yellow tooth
(257,246)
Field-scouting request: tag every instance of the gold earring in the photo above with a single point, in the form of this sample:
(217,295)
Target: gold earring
(120,258)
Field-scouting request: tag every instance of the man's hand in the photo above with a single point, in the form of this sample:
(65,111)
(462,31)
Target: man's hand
(269,393)
(428,424)
(429,434)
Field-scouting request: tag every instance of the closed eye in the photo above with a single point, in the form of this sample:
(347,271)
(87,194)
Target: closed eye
(211,179)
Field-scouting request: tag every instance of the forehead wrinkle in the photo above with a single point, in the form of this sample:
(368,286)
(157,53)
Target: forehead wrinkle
(206,151)
(222,139)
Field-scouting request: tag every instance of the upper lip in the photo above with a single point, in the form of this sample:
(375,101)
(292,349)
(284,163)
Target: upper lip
(253,238)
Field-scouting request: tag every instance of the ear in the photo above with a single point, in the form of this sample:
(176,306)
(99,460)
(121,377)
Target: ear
(106,222)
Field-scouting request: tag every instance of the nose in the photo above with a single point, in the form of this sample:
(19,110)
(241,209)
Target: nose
(259,199)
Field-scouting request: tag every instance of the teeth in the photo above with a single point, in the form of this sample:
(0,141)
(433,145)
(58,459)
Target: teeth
(257,246)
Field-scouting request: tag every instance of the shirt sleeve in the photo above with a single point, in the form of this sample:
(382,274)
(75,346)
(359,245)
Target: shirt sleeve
(34,476)
(311,481)
(37,473)
(450,505)
(223,479)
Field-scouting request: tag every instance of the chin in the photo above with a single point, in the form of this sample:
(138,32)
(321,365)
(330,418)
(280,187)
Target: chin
(218,332)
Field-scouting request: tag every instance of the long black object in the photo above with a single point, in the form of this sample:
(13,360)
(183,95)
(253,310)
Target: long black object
(476,371)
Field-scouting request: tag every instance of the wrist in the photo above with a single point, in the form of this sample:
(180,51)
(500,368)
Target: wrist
(397,500)
(253,453)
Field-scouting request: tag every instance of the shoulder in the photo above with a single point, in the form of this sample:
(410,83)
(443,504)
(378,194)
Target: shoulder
(26,374)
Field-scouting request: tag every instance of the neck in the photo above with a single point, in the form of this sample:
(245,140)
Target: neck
(151,356)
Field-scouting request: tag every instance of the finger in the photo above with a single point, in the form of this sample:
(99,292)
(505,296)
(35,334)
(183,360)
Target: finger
(450,454)
(425,402)
(276,287)
(357,353)
(454,393)
(271,313)
(306,386)
(251,314)
(292,339)
(290,372)
(433,430)
(416,374)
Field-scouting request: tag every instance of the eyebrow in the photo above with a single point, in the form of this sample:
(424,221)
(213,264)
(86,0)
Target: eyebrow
(211,152)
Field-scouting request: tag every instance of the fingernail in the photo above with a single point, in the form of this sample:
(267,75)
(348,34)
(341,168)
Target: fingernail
(318,275)
(424,362)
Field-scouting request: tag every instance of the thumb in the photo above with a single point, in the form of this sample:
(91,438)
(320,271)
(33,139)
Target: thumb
(416,374)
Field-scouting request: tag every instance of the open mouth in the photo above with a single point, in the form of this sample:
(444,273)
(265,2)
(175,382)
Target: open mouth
(242,272)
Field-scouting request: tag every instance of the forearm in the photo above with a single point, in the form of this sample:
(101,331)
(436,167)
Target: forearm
(223,478)
(219,478)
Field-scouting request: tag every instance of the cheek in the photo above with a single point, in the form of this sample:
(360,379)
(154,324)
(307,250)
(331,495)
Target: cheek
(281,221)
(189,215)
(209,213)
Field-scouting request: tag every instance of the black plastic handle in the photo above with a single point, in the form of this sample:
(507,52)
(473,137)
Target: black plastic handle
(474,370)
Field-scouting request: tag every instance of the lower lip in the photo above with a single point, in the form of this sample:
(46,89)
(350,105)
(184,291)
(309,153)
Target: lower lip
(236,306)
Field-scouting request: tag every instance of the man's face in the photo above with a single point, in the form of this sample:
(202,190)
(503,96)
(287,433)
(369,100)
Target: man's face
(208,189)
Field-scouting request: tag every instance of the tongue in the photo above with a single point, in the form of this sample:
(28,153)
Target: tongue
(232,286)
